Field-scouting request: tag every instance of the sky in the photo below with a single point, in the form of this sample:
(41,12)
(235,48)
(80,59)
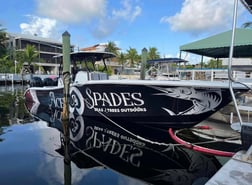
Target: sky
(163,24)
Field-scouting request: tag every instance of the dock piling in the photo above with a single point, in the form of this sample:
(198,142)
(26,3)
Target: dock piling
(65,113)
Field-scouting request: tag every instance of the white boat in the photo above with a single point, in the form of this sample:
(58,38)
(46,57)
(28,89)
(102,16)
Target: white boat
(135,104)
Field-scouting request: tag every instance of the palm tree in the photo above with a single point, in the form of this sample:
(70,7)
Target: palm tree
(111,47)
(153,53)
(132,56)
(29,55)
(121,59)
(247,25)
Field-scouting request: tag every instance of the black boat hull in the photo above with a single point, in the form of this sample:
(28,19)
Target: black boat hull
(129,105)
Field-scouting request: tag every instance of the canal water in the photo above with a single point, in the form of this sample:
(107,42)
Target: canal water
(33,151)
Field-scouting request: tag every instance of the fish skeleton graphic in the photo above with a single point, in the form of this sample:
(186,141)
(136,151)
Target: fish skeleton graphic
(202,100)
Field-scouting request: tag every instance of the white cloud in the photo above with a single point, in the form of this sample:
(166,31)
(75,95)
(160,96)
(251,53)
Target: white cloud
(72,11)
(107,24)
(127,12)
(103,28)
(197,16)
(93,13)
(43,27)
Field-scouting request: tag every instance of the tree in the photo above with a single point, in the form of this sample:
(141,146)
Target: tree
(153,53)
(247,25)
(111,47)
(121,59)
(132,56)
(29,55)
(214,63)
(5,64)
(3,38)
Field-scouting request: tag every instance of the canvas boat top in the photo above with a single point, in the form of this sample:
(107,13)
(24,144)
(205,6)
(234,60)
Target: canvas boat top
(89,55)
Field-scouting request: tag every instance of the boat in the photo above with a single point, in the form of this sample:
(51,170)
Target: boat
(138,107)
(155,104)
(99,144)
(164,68)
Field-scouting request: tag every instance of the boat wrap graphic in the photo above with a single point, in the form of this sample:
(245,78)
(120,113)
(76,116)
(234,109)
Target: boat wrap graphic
(160,106)
(175,101)
(202,100)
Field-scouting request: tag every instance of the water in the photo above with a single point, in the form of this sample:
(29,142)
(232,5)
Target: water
(28,150)
(32,151)
(28,156)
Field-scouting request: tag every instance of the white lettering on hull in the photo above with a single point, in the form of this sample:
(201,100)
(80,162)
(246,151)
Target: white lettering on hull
(101,101)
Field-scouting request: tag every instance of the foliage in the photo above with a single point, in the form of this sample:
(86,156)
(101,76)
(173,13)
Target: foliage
(133,56)
(12,108)
(153,53)
(90,67)
(3,38)
(247,25)
(108,71)
(121,58)
(29,55)
(214,64)
(111,47)
(5,64)
(190,66)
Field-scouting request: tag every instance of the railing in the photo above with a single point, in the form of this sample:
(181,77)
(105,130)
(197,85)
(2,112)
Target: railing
(212,74)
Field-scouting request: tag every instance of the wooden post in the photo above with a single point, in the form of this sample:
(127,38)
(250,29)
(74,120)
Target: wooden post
(66,78)
(143,63)
(65,113)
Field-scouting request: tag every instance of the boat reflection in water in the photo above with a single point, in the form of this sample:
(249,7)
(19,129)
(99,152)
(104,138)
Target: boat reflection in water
(101,143)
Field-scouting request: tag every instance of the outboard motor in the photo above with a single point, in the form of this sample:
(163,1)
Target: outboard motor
(36,82)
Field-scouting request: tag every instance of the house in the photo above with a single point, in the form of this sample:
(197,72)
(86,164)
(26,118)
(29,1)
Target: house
(47,49)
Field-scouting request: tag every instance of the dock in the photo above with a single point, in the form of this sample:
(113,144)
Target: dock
(238,170)
(11,78)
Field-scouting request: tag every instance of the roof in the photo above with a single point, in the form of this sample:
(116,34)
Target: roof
(97,47)
(166,60)
(34,38)
(89,55)
(218,46)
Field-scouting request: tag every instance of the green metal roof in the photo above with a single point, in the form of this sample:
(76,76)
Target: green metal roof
(218,46)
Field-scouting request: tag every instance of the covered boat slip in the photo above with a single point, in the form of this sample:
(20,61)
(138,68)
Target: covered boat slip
(234,43)
(217,46)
